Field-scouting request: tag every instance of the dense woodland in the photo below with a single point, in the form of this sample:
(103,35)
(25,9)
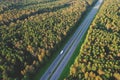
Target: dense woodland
(99,57)
(31,32)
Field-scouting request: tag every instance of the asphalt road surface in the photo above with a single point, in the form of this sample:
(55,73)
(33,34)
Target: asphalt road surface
(57,66)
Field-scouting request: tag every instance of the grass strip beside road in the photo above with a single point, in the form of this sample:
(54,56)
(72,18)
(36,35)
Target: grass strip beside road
(66,70)
(49,62)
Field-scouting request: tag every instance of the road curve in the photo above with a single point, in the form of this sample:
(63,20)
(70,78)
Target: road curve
(57,66)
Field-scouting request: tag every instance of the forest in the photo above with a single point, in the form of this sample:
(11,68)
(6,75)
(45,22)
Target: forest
(31,31)
(99,56)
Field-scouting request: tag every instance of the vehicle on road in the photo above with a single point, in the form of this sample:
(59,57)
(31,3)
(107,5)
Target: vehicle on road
(61,52)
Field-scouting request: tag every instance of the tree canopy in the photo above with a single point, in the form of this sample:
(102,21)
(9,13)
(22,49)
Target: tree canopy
(32,31)
(99,57)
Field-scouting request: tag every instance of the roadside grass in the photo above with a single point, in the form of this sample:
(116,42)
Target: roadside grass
(66,70)
(49,62)
(71,61)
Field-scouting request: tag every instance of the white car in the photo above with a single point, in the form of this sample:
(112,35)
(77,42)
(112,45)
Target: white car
(61,52)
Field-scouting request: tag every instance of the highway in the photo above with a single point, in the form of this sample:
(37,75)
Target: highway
(57,66)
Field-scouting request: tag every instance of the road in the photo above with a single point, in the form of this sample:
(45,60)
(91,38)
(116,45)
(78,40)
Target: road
(57,66)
